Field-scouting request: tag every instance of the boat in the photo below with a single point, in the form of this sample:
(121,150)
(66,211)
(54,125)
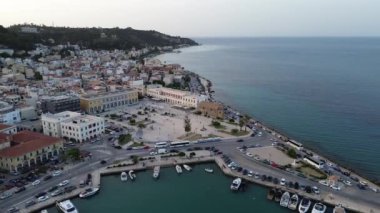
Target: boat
(66,206)
(304,205)
(156,172)
(271,194)
(178,169)
(132,175)
(293,202)
(123,176)
(187,167)
(88,192)
(339,209)
(277,196)
(44,211)
(209,170)
(318,208)
(285,198)
(235,185)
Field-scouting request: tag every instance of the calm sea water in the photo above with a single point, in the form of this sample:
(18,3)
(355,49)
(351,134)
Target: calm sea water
(197,191)
(325,92)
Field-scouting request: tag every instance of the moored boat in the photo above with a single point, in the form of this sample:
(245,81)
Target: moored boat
(156,172)
(44,211)
(209,170)
(285,198)
(318,208)
(123,176)
(88,192)
(178,169)
(304,205)
(271,194)
(235,185)
(187,167)
(132,175)
(277,196)
(293,202)
(339,209)
(66,206)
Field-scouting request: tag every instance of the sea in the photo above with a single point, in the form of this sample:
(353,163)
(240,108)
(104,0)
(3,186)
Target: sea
(323,92)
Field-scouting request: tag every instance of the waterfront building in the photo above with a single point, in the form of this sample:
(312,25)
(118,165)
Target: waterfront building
(314,162)
(175,97)
(27,149)
(108,101)
(56,104)
(295,144)
(8,129)
(9,114)
(211,109)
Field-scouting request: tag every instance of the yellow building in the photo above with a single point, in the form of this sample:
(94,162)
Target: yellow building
(27,149)
(108,101)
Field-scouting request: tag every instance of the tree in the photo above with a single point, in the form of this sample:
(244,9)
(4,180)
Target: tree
(192,154)
(241,123)
(141,125)
(187,124)
(73,153)
(38,76)
(234,131)
(292,153)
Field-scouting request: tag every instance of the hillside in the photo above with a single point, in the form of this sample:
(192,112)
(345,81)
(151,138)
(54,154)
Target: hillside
(18,38)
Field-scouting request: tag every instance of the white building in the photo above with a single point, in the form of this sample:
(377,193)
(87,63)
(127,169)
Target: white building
(72,125)
(175,97)
(8,114)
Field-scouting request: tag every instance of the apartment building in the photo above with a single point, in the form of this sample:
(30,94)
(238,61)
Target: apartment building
(56,104)
(51,123)
(9,114)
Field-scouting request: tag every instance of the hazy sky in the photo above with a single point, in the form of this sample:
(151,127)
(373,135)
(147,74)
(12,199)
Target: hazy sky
(205,17)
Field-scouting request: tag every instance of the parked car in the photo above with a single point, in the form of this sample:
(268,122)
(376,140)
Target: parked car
(240,140)
(20,189)
(315,190)
(30,203)
(56,173)
(282,182)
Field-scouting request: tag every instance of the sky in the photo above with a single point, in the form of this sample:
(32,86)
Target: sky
(205,18)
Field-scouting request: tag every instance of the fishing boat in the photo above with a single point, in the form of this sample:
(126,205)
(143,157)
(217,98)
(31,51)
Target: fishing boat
(88,192)
(123,176)
(304,205)
(156,172)
(66,206)
(235,185)
(319,208)
(178,169)
(339,209)
(132,175)
(209,170)
(285,198)
(187,167)
(271,194)
(293,202)
(277,196)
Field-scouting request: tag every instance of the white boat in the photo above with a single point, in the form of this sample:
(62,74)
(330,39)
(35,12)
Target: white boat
(88,192)
(66,206)
(123,176)
(156,172)
(132,175)
(293,202)
(178,169)
(304,205)
(44,211)
(187,167)
(209,170)
(339,209)
(285,198)
(318,208)
(235,185)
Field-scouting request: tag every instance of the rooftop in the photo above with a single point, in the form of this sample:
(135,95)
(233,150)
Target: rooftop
(62,116)
(4,126)
(99,95)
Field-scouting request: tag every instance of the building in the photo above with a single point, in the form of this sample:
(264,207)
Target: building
(107,101)
(314,162)
(8,129)
(211,109)
(26,149)
(72,126)
(295,144)
(27,29)
(175,97)
(56,104)
(8,114)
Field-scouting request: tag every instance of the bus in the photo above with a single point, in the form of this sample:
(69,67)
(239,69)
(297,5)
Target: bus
(161,145)
(179,143)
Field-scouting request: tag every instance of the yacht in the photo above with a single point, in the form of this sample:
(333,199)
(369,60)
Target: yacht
(339,209)
(285,198)
(235,185)
(318,208)
(277,196)
(156,172)
(178,169)
(187,167)
(293,202)
(88,192)
(132,175)
(209,170)
(304,205)
(271,194)
(66,206)
(123,176)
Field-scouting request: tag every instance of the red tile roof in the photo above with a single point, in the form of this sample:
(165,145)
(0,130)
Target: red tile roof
(4,126)
(27,141)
